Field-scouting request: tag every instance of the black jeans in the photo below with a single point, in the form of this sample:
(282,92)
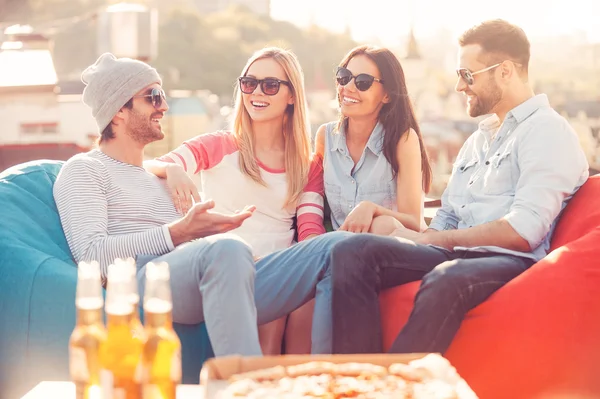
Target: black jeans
(453,283)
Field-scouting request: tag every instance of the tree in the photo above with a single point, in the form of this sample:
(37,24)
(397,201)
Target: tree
(195,51)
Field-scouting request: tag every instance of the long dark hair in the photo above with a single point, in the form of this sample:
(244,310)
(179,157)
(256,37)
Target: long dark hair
(397,116)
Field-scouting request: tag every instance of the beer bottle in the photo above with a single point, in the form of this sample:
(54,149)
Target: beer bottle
(89,333)
(161,357)
(120,355)
(136,325)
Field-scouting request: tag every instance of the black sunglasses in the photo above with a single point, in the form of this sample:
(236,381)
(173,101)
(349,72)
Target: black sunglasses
(155,97)
(269,86)
(362,81)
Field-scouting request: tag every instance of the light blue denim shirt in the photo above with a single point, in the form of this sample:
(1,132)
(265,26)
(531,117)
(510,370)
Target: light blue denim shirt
(346,185)
(525,173)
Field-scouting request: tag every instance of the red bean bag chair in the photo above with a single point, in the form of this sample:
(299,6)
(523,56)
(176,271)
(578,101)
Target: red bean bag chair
(538,336)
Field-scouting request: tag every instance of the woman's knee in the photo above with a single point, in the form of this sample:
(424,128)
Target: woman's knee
(384,225)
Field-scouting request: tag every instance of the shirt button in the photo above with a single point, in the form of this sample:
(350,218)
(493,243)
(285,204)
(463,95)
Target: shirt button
(349,206)
(470,182)
(487,162)
(462,206)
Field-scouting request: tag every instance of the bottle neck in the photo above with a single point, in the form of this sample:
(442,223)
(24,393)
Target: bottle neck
(158,313)
(158,320)
(88,317)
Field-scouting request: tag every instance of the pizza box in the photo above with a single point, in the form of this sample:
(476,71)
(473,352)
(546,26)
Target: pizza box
(216,371)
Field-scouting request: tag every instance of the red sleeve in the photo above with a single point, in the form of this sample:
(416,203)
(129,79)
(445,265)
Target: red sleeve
(202,152)
(309,211)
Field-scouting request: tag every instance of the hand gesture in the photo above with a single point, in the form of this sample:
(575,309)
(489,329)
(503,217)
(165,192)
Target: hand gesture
(360,218)
(184,192)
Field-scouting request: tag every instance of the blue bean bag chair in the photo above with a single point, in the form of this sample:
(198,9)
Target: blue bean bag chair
(38,277)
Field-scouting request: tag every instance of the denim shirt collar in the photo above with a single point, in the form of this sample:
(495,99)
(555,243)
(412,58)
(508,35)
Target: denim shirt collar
(375,142)
(518,114)
(527,108)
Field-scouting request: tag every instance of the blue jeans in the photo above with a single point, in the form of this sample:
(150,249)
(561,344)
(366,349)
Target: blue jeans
(287,279)
(453,283)
(212,280)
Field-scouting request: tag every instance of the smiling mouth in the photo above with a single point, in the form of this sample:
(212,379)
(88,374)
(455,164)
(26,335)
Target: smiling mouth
(259,104)
(350,100)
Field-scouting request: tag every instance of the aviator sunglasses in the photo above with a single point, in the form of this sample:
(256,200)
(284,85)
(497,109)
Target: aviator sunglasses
(362,81)
(155,97)
(468,76)
(269,86)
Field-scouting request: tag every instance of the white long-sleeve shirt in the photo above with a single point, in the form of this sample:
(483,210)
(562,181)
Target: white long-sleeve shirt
(110,209)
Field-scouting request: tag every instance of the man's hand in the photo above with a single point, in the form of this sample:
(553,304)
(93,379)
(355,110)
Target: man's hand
(201,222)
(436,238)
(429,237)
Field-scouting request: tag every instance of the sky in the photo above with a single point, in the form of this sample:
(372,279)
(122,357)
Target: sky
(388,20)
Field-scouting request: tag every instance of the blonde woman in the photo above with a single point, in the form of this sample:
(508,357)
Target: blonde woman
(264,161)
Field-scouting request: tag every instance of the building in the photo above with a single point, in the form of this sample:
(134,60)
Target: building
(261,7)
(35,119)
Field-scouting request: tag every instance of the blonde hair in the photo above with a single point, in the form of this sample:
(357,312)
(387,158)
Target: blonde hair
(295,126)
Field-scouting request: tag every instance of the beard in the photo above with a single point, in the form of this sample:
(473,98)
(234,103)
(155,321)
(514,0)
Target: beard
(487,100)
(143,130)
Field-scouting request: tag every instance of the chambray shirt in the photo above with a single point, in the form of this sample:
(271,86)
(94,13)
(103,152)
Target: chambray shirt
(346,185)
(525,174)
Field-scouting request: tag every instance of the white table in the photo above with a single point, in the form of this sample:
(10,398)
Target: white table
(66,390)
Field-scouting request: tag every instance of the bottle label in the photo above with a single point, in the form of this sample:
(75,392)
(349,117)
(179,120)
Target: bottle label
(176,366)
(78,366)
(107,382)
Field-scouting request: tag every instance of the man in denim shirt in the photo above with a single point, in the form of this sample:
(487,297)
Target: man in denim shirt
(511,180)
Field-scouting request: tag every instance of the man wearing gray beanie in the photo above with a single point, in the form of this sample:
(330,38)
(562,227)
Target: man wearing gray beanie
(110,207)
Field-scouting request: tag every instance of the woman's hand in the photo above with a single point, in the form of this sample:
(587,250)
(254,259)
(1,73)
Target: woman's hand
(184,192)
(360,219)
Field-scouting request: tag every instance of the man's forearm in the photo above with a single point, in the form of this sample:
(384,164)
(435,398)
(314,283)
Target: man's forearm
(179,233)
(498,233)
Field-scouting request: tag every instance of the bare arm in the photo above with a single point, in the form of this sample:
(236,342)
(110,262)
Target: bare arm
(159,168)
(497,233)
(320,142)
(409,184)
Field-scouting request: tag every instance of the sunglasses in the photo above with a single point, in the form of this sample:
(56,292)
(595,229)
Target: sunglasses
(467,75)
(269,86)
(362,81)
(155,97)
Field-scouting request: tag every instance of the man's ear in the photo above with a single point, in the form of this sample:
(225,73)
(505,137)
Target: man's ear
(121,115)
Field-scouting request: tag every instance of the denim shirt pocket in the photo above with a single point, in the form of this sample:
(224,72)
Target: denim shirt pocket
(381,192)
(461,176)
(333,194)
(498,177)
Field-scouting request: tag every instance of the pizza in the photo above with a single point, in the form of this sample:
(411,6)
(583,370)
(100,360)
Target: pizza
(431,377)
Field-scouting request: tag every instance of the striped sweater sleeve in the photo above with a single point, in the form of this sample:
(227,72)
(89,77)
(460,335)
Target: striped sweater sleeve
(80,196)
(309,211)
(202,152)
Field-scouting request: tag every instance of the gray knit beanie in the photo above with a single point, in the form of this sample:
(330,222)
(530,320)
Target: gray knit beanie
(111,82)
